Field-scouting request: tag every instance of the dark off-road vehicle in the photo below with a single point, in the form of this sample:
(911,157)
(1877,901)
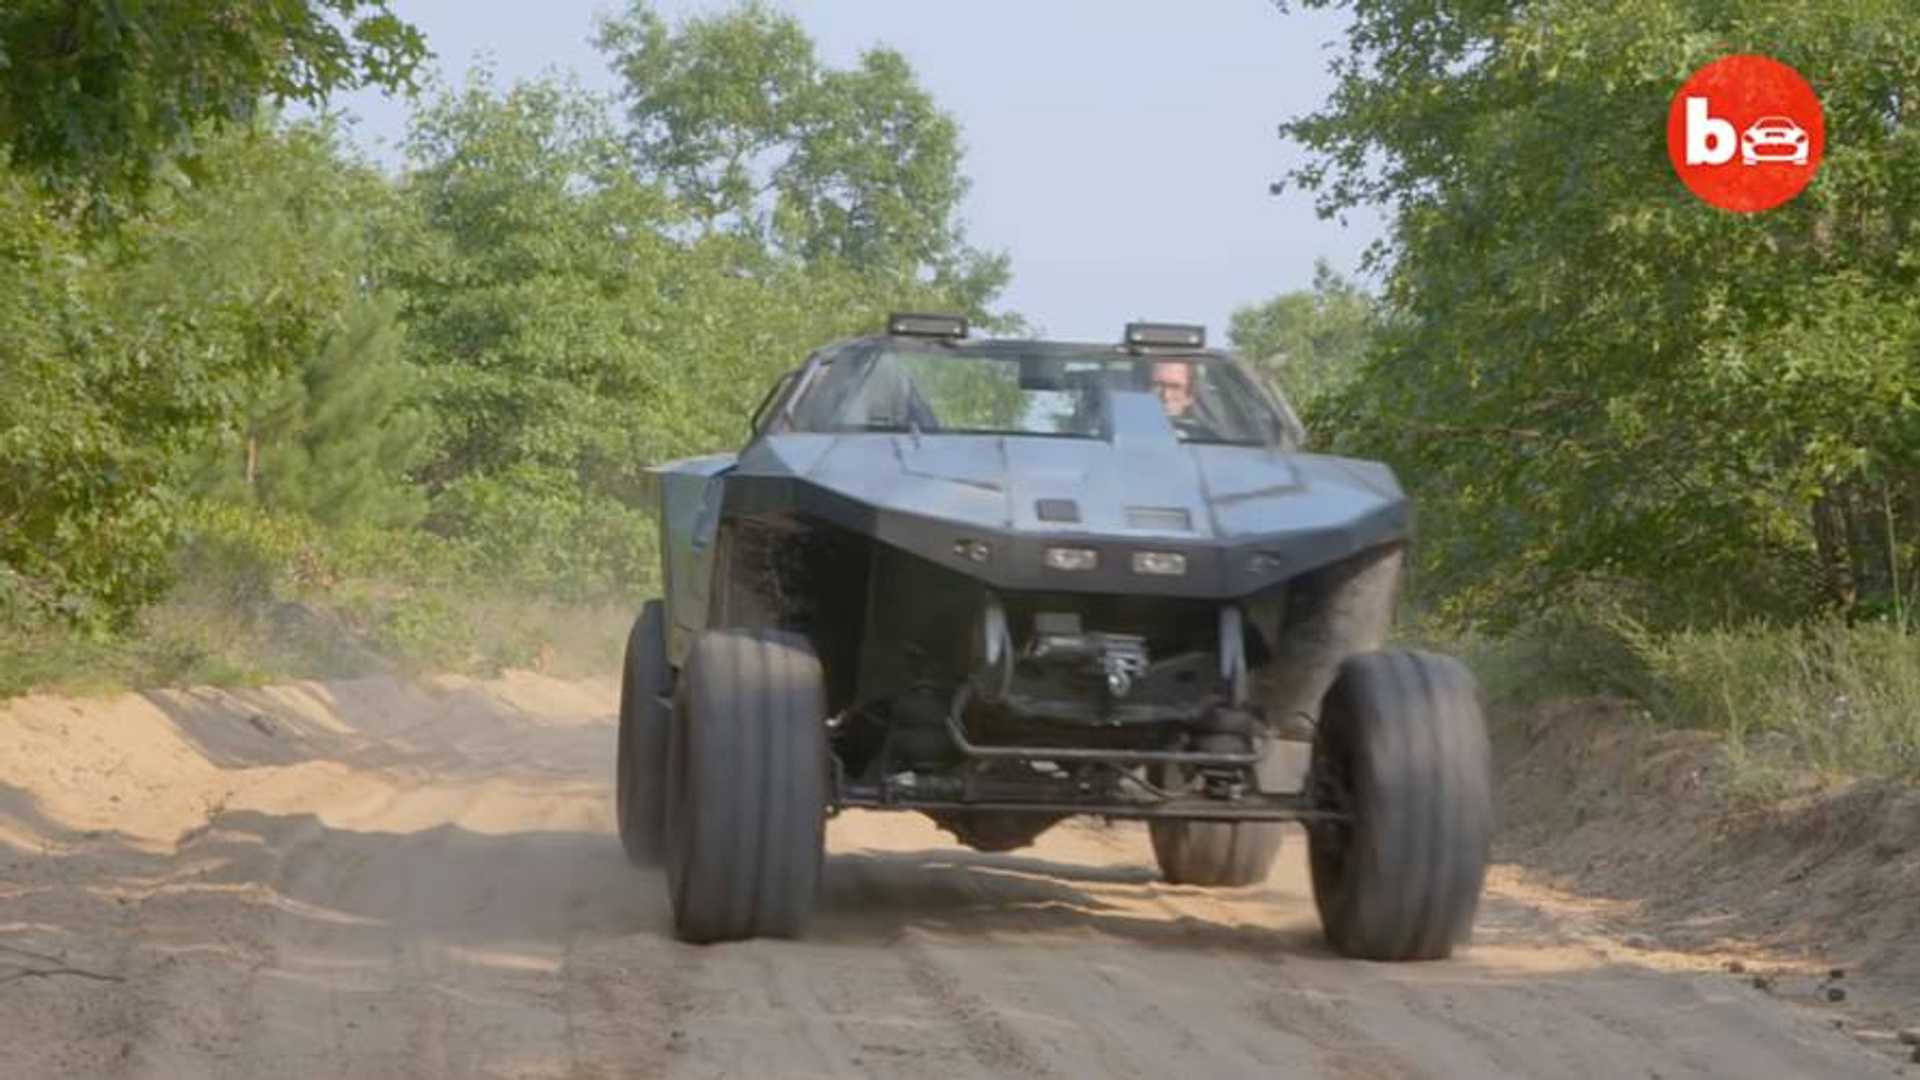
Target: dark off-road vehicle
(1004,582)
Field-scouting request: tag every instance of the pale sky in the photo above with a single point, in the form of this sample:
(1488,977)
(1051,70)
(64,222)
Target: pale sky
(1120,152)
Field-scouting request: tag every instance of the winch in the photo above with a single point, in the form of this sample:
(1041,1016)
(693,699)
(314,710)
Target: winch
(1119,658)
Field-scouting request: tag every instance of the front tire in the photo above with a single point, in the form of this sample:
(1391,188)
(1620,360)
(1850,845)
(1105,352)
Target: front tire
(747,787)
(640,769)
(1402,749)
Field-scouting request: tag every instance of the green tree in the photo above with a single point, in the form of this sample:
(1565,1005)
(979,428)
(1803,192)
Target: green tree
(229,328)
(1310,341)
(529,281)
(574,325)
(84,519)
(332,440)
(738,119)
(101,92)
(1591,376)
(279,306)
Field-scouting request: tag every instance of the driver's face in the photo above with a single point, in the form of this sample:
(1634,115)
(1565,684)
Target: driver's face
(1173,382)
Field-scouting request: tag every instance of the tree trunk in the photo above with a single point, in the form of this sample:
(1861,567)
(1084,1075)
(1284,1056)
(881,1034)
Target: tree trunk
(1838,586)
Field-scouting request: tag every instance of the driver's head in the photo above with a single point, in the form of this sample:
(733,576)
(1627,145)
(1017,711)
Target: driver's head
(1173,383)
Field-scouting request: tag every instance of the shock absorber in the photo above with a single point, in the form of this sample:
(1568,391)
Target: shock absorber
(993,652)
(1233,653)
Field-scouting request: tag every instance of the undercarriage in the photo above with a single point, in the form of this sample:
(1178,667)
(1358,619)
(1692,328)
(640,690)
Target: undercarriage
(977,706)
(838,672)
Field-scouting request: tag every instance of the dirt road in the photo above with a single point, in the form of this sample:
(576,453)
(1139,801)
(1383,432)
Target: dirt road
(371,880)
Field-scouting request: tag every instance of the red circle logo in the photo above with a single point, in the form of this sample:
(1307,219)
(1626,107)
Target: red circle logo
(1746,133)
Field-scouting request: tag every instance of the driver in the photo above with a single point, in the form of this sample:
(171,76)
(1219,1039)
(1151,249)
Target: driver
(1173,385)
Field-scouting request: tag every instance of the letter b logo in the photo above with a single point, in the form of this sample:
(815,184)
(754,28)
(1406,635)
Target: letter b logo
(1745,133)
(1709,139)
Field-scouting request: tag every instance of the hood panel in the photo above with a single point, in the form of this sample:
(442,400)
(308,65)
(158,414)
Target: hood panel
(1244,517)
(1227,493)
(1102,481)
(960,480)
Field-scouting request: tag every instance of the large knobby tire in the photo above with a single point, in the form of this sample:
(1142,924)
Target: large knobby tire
(1402,749)
(640,769)
(747,787)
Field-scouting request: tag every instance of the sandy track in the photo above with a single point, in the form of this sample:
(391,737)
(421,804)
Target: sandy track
(369,880)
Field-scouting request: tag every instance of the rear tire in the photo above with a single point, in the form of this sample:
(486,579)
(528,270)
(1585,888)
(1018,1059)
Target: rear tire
(1402,748)
(640,769)
(1215,854)
(747,787)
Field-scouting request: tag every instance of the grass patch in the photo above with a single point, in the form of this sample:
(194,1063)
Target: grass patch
(259,599)
(1838,699)
(1559,658)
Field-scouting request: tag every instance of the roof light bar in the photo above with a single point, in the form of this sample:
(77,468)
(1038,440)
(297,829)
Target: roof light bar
(922,324)
(1176,335)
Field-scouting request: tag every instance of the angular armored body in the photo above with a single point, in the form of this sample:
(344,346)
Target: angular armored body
(1004,582)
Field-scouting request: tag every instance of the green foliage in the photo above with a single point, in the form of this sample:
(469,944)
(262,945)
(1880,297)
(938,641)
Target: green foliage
(336,441)
(259,597)
(1591,376)
(320,417)
(570,333)
(169,649)
(332,440)
(291,400)
(1311,341)
(239,559)
(742,124)
(1576,650)
(537,527)
(427,630)
(103,93)
(536,285)
(85,446)
(227,315)
(1843,699)
(1839,699)
(534,261)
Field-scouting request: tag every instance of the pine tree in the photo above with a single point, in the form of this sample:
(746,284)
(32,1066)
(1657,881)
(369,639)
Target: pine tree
(333,439)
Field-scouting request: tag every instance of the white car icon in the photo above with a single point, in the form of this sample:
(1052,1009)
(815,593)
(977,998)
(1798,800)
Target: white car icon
(1774,140)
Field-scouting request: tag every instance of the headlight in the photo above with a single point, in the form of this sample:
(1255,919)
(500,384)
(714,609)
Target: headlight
(1265,562)
(973,550)
(1164,563)
(1071,558)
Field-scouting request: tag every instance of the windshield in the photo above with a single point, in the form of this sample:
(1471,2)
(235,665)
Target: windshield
(1045,392)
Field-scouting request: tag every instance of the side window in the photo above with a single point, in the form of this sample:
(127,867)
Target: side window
(767,407)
